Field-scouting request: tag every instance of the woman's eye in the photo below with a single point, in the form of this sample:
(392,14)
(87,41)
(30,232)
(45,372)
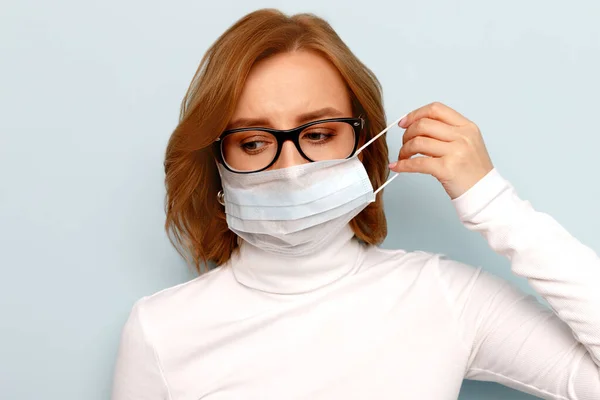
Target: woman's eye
(255,145)
(316,136)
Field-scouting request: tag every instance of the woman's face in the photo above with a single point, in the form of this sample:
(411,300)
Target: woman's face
(283,92)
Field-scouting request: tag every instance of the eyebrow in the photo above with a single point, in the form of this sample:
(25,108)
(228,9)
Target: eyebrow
(326,112)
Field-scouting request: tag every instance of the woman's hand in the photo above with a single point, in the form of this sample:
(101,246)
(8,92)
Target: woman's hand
(456,154)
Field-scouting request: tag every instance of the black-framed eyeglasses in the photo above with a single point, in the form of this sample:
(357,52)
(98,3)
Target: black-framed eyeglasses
(247,150)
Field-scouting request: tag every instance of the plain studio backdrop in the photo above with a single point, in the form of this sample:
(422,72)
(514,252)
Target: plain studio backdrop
(90,92)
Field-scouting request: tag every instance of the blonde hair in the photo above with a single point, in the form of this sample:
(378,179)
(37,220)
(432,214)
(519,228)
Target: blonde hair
(195,220)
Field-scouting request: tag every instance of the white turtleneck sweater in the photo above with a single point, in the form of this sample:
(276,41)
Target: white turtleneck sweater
(360,322)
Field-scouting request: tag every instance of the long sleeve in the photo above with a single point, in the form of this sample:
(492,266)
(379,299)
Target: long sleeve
(138,374)
(512,338)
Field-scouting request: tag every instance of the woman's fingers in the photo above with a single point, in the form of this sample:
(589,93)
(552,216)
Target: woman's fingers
(430,128)
(422,165)
(437,111)
(426,146)
(452,145)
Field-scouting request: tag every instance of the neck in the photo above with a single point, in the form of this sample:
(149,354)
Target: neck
(281,274)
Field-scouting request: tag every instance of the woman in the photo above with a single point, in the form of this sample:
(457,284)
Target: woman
(273,174)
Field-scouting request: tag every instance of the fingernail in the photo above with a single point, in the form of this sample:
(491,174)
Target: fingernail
(392,164)
(402,122)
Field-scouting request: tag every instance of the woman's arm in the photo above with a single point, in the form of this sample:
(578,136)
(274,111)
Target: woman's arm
(512,338)
(138,375)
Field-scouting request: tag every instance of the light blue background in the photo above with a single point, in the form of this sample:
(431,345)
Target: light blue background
(90,92)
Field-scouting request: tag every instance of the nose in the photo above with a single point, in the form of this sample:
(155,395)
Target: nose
(289,156)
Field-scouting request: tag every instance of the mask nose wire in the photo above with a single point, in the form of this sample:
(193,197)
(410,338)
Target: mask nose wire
(374,139)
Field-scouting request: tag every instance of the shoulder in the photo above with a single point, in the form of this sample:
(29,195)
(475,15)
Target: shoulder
(170,308)
(193,290)
(375,256)
(427,267)
(457,284)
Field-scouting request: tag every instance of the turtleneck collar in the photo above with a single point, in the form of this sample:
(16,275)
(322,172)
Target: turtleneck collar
(279,274)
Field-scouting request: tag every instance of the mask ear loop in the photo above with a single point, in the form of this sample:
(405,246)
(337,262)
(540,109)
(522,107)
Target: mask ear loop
(374,139)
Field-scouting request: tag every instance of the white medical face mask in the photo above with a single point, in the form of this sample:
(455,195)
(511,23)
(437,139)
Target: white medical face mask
(296,210)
